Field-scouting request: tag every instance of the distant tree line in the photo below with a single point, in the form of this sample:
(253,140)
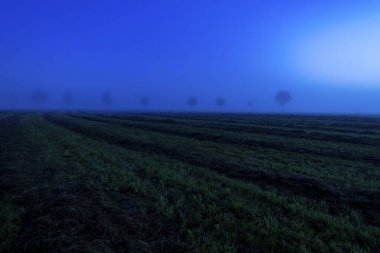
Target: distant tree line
(40,98)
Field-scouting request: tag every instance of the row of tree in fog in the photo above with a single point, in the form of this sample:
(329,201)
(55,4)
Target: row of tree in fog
(41,97)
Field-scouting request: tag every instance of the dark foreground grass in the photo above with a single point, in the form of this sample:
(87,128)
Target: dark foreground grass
(75,184)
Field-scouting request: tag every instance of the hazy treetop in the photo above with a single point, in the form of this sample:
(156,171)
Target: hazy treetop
(220,101)
(192,101)
(40,96)
(145,100)
(106,98)
(282,97)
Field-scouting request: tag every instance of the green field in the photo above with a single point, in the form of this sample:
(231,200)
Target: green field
(175,182)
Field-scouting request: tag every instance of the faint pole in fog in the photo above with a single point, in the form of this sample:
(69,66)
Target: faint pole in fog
(68,98)
(220,102)
(192,102)
(145,101)
(282,97)
(40,97)
(107,98)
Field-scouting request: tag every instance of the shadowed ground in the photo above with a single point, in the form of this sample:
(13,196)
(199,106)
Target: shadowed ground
(114,182)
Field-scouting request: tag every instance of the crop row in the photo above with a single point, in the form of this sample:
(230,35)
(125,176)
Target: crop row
(266,129)
(91,186)
(252,140)
(223,215)
(344,124)
(310,187)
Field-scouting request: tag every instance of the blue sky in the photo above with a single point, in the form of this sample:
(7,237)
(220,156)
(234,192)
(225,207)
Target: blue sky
(324,52)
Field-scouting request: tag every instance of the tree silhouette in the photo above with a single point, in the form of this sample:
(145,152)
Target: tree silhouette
(106,98)
(144,101)
(250,103)
(283,97)
(220,102)
(192,101)
(68,98)
(39,97)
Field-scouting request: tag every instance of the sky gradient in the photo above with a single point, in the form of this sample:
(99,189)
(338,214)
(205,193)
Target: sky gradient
(325,53)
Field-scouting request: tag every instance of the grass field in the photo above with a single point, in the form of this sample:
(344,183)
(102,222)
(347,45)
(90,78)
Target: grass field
(172,182)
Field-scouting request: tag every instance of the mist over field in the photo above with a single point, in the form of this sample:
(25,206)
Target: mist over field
(189,126)
(325,54)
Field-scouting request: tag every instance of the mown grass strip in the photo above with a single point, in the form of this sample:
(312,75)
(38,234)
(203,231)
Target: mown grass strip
(9,223)
(303,120)
(366,202)
(348,172)
(219,217)
(70,202)
(80,197)
(286,122)
(368,154)
(10,211)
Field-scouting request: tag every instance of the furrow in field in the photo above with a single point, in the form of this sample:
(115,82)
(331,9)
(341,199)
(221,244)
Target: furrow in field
(80,194)
(12,149)
(366,202)
(366,154)
(314,164)
(348,125)
(8,130)
(325,123)
(209,204)
(5,115)
(61,210)
(262,129)
(277,158)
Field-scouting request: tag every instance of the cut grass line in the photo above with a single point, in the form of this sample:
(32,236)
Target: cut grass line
(233,138)
(266,127)
(367,202)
